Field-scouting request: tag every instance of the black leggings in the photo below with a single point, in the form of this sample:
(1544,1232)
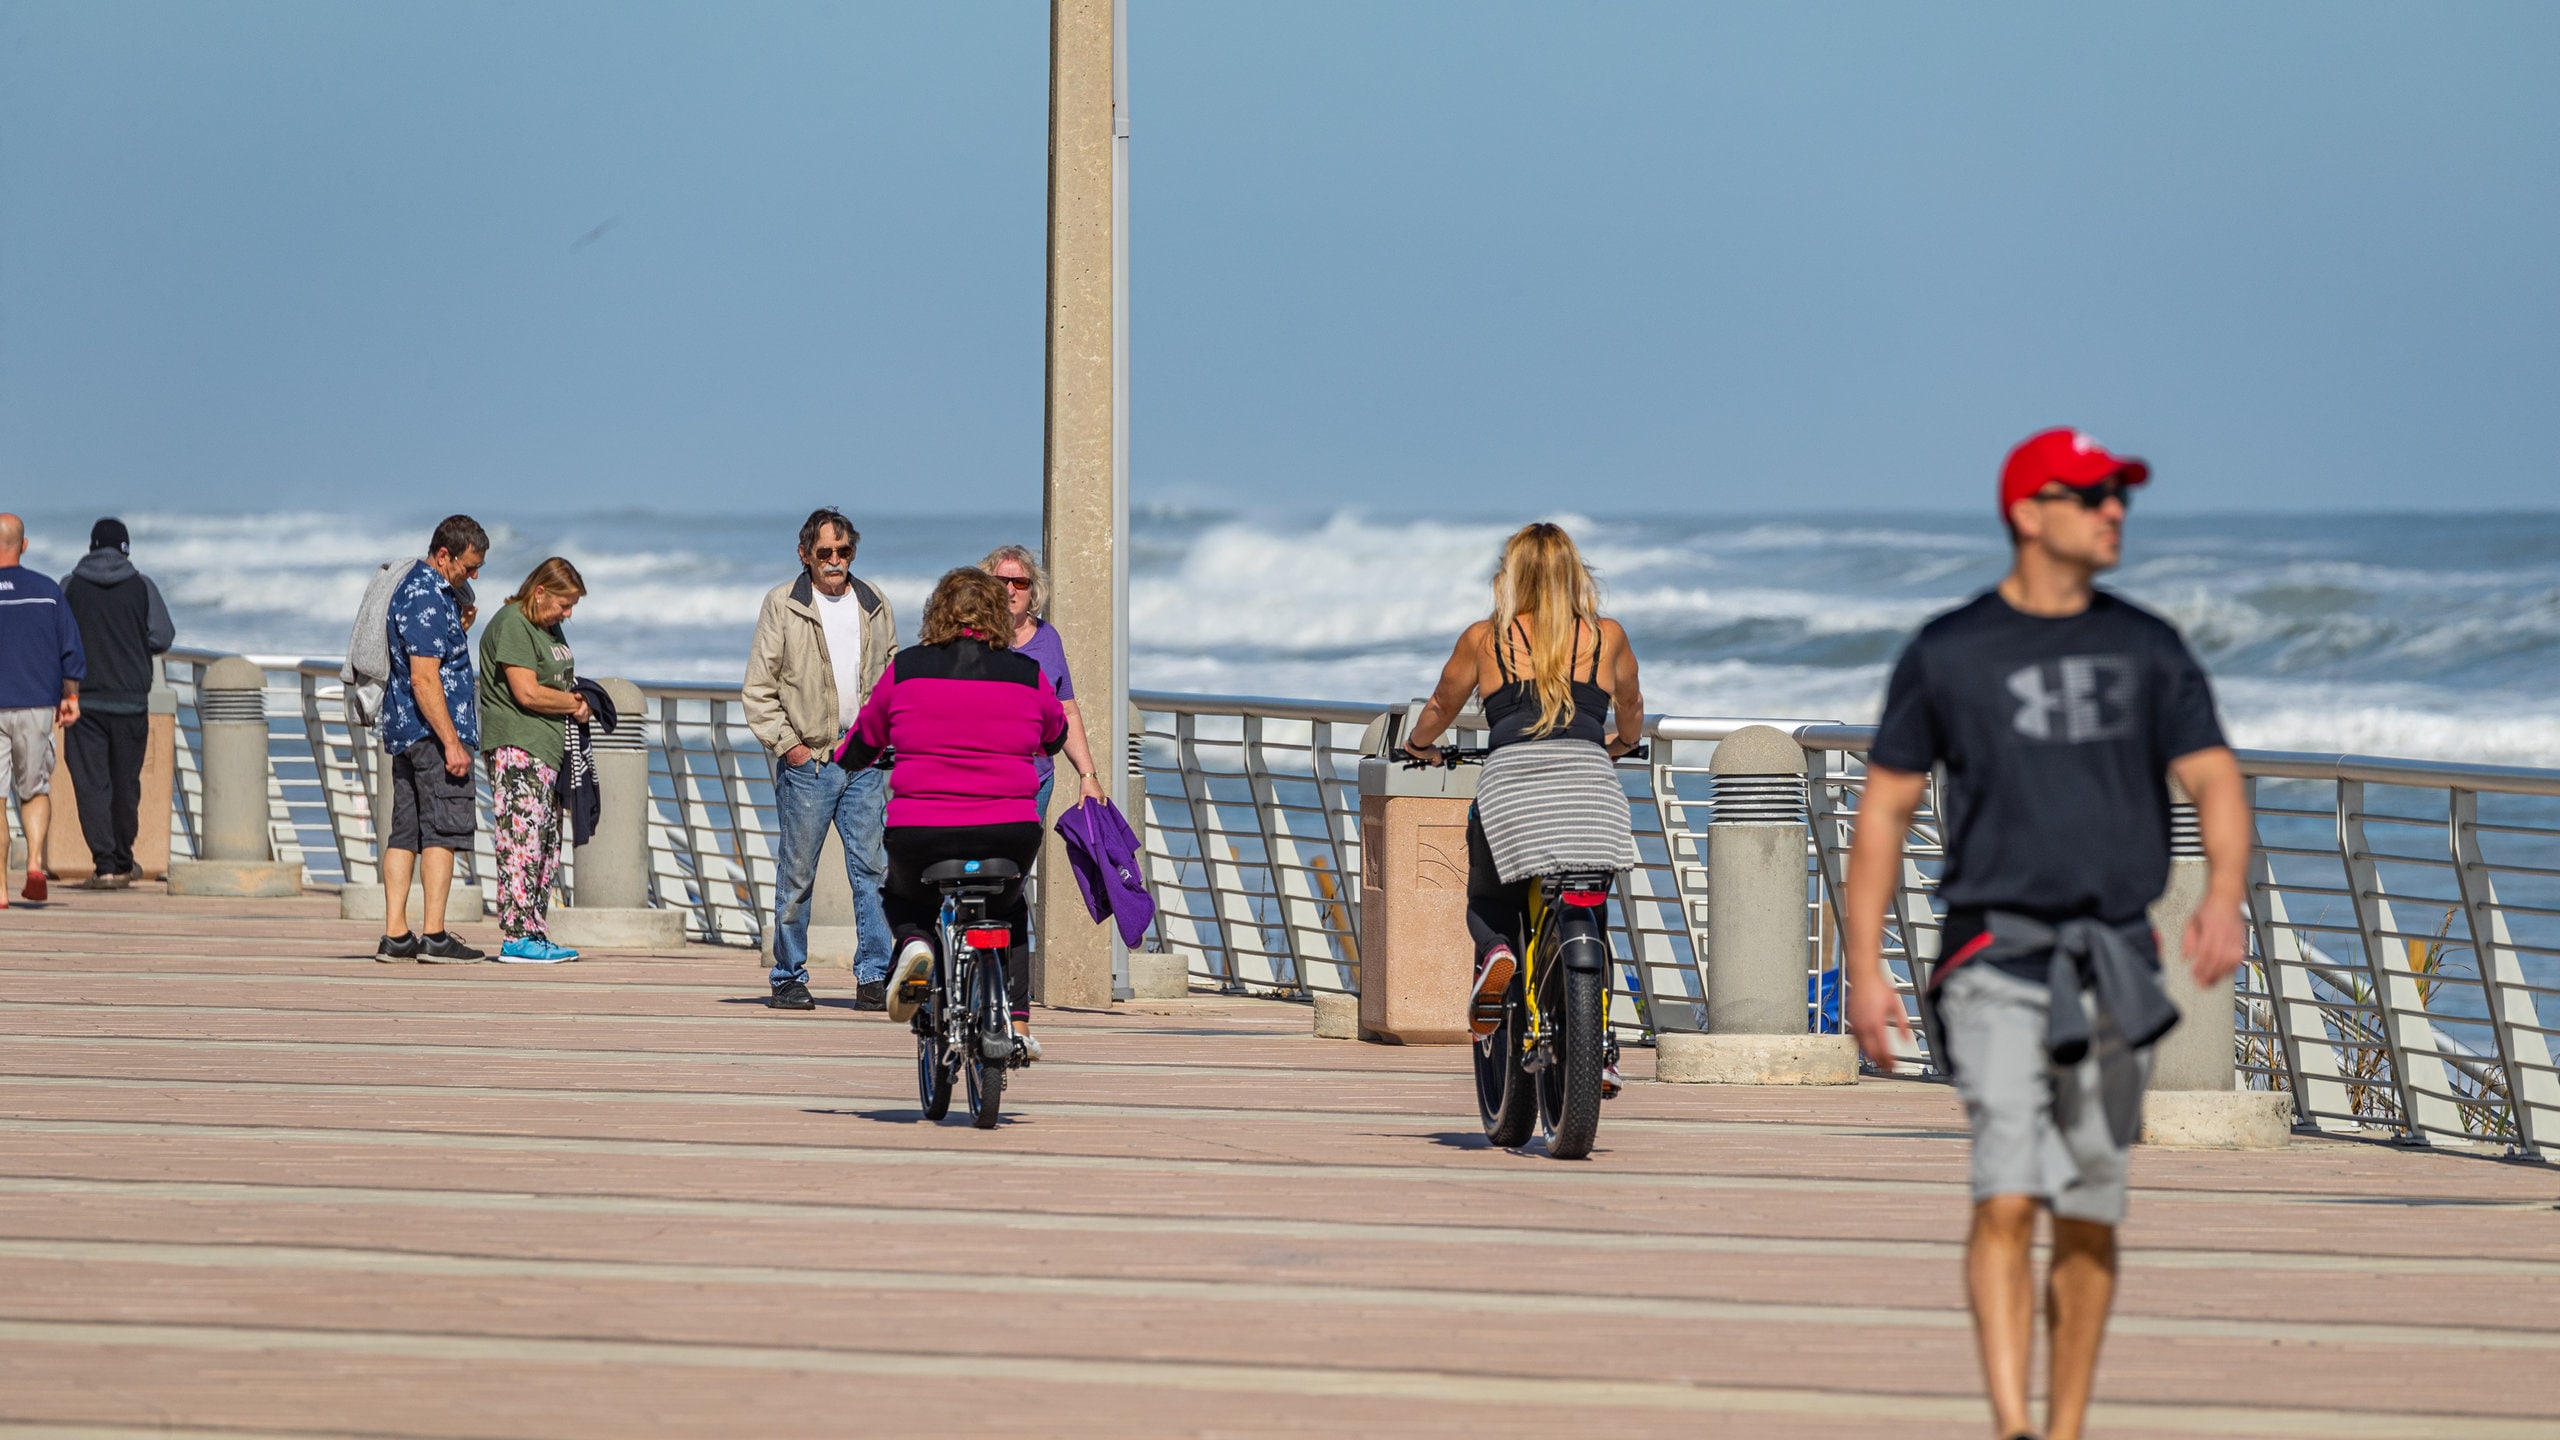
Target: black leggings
(915,907)
(1497,914)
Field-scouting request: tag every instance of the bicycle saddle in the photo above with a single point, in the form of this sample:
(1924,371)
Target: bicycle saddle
(951,872)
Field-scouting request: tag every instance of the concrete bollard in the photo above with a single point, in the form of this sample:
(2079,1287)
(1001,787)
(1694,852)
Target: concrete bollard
(1757,948)
(231,717)
(364,901)
(612,909)
(2194,1101)
(1155,975)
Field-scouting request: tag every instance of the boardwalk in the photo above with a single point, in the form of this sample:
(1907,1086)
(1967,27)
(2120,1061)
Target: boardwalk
(253,1184)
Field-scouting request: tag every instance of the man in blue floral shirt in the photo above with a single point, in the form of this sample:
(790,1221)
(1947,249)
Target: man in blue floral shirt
(430,729)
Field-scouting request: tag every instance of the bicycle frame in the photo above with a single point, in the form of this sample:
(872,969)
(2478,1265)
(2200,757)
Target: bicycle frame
(1549,899)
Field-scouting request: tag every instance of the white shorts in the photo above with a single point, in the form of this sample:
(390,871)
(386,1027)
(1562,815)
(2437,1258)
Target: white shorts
(2060,1133)
(26,750)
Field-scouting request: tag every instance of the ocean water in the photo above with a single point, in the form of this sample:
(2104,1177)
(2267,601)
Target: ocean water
(2381,634)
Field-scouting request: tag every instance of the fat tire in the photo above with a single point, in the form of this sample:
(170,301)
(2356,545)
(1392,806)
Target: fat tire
(1505,1099)
(1581,1049)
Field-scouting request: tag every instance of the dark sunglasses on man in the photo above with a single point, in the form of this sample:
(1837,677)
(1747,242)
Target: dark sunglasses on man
(2091,497)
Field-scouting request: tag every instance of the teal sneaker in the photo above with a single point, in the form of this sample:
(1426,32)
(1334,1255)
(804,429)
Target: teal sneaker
(530,950)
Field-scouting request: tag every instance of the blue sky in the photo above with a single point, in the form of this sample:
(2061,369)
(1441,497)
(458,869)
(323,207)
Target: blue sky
(1471,256)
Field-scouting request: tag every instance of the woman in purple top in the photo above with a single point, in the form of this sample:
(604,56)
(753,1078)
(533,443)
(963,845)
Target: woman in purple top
(1027,594)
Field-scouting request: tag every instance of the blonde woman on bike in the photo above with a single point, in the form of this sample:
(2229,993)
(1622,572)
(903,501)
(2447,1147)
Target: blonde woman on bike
(1549,667)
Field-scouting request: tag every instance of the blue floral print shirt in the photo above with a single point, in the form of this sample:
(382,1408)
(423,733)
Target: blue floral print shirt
(426,625)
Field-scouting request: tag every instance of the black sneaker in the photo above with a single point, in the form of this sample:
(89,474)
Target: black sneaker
(792,995)
(397,947)
(871,995)
(442,948)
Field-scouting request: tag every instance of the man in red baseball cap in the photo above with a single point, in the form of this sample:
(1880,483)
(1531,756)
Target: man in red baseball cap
(2056,713)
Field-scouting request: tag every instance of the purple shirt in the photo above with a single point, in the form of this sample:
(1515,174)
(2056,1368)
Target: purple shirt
(1046,647)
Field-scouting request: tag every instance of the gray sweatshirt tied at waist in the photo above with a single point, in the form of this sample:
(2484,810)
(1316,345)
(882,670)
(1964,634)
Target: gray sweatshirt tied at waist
(2087,950)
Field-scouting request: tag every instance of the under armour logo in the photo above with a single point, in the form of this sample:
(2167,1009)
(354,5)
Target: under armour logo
(2076,699)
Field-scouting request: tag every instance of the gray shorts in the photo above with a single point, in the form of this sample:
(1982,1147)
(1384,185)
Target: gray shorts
(430,810)
(2057,1132)
(26,750)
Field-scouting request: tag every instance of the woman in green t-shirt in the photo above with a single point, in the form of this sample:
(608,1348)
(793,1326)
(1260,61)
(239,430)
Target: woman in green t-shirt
(526,704)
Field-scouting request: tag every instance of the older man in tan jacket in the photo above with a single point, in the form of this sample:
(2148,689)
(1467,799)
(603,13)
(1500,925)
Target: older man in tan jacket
(822,640)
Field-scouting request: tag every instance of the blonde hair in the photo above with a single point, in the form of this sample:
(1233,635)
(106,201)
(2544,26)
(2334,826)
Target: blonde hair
(1543,577)
(555,575)
(964,600)
(1030,563)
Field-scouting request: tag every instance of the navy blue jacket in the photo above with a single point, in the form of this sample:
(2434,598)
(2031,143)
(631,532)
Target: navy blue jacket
(39,641)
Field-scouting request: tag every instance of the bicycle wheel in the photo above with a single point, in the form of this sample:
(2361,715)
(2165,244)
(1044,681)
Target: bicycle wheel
(1570,1087)
(1505,1099)
(933,1050)
(985,1008)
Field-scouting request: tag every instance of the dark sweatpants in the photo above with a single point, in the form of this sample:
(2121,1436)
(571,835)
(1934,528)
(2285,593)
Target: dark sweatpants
(1497,914)
(914,907)
(105,752)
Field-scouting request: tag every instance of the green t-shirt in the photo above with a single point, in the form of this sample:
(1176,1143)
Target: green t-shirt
(511,639)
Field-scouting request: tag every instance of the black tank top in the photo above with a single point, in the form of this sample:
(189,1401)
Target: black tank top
(1512,710)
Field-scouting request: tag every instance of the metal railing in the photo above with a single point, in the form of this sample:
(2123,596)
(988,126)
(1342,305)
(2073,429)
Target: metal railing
(2404,972)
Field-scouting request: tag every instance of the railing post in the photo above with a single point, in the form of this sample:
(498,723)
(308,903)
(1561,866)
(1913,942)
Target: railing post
(238,857)
(2193,1101)
(610,909)
(1757,945)
(2524,1049)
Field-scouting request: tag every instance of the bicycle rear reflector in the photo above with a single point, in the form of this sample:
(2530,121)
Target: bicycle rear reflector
(992,938)
(1587,899)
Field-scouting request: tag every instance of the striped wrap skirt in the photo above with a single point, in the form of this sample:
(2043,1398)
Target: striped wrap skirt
(1554,805)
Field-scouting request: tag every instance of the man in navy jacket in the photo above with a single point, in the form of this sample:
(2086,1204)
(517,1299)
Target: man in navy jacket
(41,665)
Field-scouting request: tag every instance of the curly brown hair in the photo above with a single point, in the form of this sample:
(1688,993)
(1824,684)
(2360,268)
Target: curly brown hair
(968,600)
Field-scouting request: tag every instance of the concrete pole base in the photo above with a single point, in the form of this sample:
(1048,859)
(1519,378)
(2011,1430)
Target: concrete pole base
(600,928)
(1337,1016)
(364,902)
(236,879)
(2218,1119)
(1684,1059)
(1157,976)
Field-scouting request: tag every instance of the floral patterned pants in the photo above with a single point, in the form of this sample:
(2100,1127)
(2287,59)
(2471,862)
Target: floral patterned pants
(526,834)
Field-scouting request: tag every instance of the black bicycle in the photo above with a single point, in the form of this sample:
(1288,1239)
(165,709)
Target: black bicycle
(964,1024)
(1545,1064)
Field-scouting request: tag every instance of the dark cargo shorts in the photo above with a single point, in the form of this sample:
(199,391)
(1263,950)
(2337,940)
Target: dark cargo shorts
(430,810)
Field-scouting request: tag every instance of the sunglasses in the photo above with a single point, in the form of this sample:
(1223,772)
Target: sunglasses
(2092,497)
(831,552)
(1018,582)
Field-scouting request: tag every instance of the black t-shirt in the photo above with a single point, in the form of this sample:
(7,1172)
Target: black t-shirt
(2056,735)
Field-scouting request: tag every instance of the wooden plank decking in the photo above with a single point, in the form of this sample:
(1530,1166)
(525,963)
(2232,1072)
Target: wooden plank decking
(253,1184)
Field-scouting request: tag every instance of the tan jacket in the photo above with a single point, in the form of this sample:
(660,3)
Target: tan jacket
(791,680)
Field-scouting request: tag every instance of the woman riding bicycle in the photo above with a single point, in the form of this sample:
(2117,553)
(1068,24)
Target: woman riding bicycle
(1549,667)
(967,716)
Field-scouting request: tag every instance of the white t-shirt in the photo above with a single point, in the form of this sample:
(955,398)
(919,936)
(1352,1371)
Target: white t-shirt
(842,617)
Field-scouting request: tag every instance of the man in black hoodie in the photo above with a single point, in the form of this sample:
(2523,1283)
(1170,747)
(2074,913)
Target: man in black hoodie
(123,624)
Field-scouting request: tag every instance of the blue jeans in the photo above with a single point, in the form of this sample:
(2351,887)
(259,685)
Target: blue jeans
(806,800)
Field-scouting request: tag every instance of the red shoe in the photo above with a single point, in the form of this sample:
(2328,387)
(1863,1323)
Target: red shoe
(1484,1014)
(35,886)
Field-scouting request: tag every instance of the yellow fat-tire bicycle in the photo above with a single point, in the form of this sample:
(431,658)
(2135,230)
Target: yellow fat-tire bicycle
(1542,1067)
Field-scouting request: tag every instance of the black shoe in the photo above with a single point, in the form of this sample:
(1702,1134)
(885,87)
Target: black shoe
(442,948)
(792,995)
(871,995)
(397,947)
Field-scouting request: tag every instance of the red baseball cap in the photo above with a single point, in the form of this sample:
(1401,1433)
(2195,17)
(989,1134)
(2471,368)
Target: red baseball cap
(2065,455)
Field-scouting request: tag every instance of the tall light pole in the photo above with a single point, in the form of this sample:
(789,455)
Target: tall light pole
(1084,517)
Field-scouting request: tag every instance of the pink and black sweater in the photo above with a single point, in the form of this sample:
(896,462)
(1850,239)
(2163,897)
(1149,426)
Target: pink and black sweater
(966,720)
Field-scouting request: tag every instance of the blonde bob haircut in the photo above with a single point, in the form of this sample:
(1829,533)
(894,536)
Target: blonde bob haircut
(1544,580)
(967,601)
(1021,555)
(555,576)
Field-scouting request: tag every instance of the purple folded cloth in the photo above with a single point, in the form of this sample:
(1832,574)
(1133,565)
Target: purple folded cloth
(1103,852)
